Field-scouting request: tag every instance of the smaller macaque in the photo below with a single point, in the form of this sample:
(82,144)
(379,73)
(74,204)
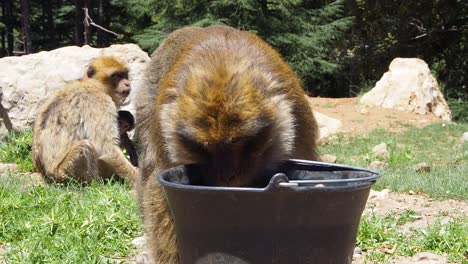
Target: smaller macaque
(75,133)
(127,124)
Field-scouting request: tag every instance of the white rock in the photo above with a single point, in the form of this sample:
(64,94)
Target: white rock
(139,242)
(381,150)
(8,167)
(378,165)
(357,250)
(465,136)
(409,86)
(423,167)
(26,81)
(379,195)
(143,258)
(328,158)
(327,125)
(429,258)
(363,110)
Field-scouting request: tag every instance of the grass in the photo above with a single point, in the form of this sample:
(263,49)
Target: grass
(66,223)
(51,223)
(439,145)
(17,149)
(380,237)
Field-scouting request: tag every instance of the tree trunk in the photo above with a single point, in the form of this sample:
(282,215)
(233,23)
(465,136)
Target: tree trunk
(49,26)
(79,18)
(26,26)
(9,26)
(102,21)
(264,7)
(87,28)
(3,50)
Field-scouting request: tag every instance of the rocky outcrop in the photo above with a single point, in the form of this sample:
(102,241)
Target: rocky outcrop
(409,86)
(26,81)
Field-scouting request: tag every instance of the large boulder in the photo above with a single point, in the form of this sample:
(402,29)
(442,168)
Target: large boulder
(26,81)
(409,86)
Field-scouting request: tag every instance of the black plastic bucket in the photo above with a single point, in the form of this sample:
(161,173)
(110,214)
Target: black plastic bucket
(308,213)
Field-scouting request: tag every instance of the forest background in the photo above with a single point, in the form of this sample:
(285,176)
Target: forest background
(339,48)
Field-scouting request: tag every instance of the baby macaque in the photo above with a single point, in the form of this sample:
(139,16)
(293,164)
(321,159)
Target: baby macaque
(127,124)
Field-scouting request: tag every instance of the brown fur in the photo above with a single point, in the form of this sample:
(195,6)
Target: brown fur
(221,98)
(76,134)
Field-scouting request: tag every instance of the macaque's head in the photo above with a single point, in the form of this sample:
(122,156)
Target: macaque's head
(126,122)
(113,74)
(233,126)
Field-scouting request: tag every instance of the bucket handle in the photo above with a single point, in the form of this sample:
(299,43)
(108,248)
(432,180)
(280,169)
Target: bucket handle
(281,180)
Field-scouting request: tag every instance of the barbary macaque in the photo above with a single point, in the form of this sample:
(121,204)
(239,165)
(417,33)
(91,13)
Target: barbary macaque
(223,100)
(76,134)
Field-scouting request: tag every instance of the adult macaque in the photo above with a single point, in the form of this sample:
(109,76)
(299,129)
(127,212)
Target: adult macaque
(76,135)
(222,99)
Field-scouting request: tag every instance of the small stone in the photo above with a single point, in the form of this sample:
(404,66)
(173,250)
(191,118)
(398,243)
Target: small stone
(381,150)
(357,250)
(378,165)
(379,195)
(4,249)
(363,111)
(411,192)
(8,167)
(328,158)
(139,242)
(423,167)
(143,258)
(465,136)
(428,258)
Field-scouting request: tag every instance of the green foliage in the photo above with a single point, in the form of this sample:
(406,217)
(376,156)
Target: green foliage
(307,41)
(459,110)
(17,149)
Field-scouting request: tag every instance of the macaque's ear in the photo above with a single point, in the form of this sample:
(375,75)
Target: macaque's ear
(91,71)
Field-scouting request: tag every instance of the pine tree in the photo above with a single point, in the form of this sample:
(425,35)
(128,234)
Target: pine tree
(304,34)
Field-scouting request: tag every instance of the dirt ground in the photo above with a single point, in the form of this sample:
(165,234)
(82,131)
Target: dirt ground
(358,119)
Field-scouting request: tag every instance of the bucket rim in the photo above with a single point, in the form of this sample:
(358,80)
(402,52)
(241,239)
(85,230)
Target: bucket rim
(280,180)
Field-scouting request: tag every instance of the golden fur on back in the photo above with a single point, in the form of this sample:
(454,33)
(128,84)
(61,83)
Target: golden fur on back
(215,87)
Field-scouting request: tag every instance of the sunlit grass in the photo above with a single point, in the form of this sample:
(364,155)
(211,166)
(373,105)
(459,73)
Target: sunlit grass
(439,145)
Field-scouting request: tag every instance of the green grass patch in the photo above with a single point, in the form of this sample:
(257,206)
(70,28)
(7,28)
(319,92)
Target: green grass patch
(17,149)
(439,145)
(378,235)
(66,223)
